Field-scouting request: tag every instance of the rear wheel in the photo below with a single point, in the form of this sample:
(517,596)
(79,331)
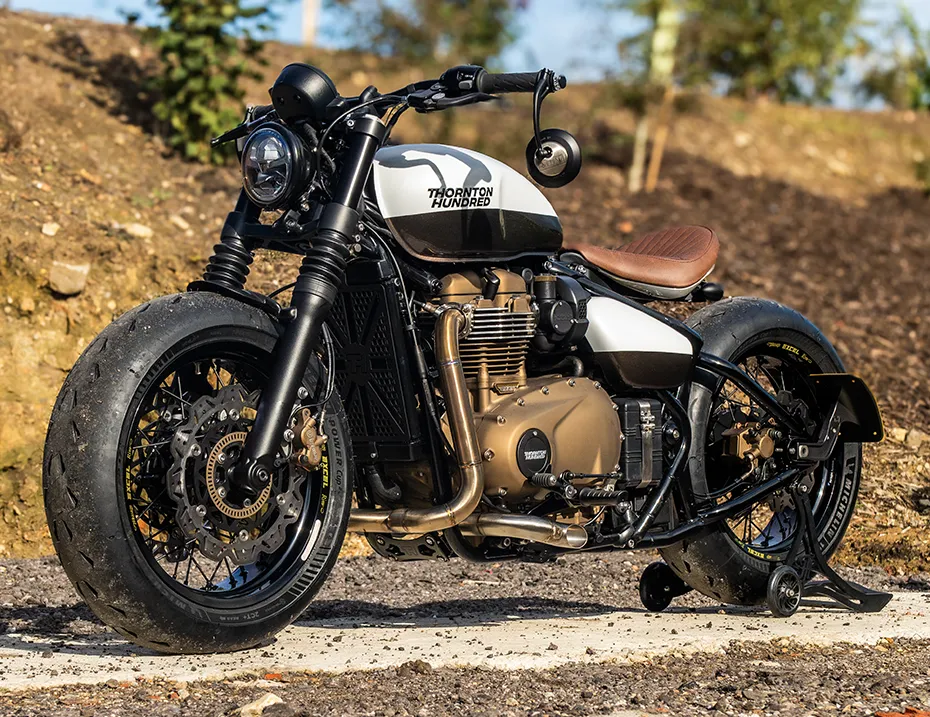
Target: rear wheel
(781,350)
(147,523)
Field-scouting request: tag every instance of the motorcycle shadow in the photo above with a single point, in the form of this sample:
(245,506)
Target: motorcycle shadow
(461,612)
(346,614)
(72,630)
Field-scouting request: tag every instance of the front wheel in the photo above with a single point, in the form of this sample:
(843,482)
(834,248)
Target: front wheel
(149,528)
(781,350)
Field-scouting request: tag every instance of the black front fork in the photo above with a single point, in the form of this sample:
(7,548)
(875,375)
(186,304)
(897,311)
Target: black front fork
(321,275)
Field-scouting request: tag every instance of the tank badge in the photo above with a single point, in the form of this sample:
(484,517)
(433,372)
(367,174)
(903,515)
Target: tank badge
(460,197)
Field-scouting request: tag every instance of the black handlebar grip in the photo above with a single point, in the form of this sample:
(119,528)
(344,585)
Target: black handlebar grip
(507,82)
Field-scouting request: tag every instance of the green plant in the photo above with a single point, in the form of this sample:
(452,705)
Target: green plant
(784,49)
(430,31)
(901,77)
(207,48)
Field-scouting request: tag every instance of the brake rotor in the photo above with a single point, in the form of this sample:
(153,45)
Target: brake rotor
(224,523)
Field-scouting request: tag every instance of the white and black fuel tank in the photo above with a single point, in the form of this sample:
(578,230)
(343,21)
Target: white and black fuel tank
(450,204)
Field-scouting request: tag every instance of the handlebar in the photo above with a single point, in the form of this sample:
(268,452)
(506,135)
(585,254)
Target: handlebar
(494,84)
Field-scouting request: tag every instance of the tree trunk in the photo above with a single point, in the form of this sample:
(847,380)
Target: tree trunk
(640,142)
(661,71)
(311,21)
(663,127)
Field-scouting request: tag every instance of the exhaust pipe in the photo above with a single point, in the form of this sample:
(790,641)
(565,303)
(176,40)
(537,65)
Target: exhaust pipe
(464,438)
(526,527)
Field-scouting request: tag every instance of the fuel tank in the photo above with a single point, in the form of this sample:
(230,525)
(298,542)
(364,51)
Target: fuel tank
(451,204)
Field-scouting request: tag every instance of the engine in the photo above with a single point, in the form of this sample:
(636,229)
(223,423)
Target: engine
(528,426)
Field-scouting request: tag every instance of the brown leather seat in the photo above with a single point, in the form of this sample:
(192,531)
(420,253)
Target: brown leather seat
(678,257)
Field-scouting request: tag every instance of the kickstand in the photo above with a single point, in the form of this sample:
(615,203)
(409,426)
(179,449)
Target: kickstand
(792,581)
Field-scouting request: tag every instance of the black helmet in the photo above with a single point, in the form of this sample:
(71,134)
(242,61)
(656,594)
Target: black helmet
(302,92)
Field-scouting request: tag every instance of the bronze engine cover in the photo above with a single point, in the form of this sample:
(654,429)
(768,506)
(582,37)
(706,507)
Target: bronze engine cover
(576,416)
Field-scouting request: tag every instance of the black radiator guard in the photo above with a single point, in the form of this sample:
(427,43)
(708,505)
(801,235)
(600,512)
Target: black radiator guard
(373,373)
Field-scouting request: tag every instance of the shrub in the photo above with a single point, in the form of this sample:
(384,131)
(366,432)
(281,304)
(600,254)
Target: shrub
(207,48)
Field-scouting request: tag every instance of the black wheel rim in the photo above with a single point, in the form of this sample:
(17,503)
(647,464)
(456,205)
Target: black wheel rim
(767,529)
(149,510)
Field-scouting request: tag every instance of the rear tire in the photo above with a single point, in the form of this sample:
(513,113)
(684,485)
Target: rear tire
(86,487)
(716,563)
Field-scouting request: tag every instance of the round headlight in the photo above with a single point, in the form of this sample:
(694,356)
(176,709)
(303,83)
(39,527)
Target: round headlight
(270,165)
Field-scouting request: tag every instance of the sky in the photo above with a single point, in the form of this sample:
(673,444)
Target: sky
(566,35)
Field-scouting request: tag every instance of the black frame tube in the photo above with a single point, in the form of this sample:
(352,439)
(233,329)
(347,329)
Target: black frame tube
(727,370)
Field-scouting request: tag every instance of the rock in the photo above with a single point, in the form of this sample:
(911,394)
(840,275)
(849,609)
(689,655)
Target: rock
(180,222)
(138,231)
(258,706)
(50,229)
(898,434)
(839,167)
(915,439)
(414,667)
(68,279)
(742,139)
(27,305)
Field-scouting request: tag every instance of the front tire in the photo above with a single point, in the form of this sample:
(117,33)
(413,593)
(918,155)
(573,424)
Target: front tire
(719,563)
(91,480)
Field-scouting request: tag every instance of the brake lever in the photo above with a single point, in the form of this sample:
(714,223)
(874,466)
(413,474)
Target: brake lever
(433,101)
(243,129)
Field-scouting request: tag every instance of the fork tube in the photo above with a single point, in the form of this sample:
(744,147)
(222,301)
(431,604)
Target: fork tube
(321,275)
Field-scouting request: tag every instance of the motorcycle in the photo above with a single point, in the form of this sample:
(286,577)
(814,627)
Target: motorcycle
(479,385)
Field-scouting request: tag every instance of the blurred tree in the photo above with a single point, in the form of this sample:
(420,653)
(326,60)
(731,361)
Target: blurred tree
(431,31)
(207,49)
(665,18)
(901,77)
(310,21)
(784,49)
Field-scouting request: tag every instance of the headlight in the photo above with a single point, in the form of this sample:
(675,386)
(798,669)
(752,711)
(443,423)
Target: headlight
(271,165)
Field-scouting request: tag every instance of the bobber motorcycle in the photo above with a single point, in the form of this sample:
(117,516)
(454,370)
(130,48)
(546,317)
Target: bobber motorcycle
(483,387)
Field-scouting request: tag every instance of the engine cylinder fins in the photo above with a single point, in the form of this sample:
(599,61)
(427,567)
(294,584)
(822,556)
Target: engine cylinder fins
(525,527)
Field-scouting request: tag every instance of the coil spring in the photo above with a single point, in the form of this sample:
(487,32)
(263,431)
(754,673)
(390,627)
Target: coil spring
(229,265)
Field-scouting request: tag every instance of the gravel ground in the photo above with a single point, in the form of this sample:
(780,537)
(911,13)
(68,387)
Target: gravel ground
(36,599)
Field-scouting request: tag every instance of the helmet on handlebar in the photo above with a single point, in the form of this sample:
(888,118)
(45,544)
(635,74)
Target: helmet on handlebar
(302,92)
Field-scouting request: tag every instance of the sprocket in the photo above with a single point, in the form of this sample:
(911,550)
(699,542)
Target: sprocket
(224,524)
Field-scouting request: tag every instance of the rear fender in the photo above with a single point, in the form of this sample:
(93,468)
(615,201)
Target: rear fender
(858,410)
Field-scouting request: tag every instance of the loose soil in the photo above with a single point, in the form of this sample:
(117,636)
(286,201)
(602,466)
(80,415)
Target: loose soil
(779,677)
(815,208)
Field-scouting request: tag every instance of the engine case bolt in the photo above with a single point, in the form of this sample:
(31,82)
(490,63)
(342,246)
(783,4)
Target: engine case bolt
(201,510)
(521,402)
(488,454)
(545,390)
(196,450)
(234,415)
(281,499)
(302,393)
(243,535)
(571,382)
(501,420)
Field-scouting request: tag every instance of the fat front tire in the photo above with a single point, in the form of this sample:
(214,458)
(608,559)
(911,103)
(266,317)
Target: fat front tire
(718,563)
(125,577)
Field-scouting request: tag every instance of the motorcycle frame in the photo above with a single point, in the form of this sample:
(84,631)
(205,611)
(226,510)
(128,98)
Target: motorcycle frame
(327,245)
